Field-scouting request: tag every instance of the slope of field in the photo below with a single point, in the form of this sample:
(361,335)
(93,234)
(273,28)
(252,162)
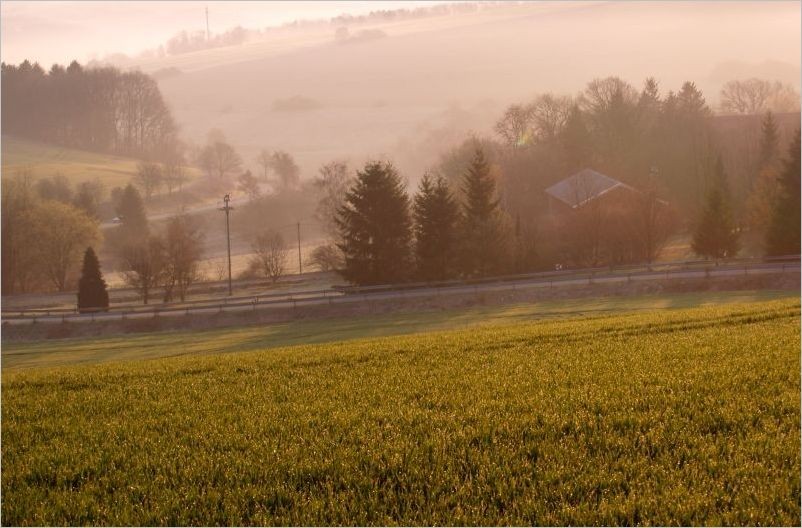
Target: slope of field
(429,82)
(45,160)
(675,417)
(63,352)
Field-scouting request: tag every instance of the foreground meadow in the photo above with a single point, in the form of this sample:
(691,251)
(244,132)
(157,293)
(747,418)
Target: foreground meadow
(686,416)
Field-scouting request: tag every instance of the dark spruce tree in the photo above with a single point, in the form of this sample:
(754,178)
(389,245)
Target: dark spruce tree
(782,237)
(375,227)
(768,141)
(133,221)
(436,215)
(92,294)
(715,235)
(576,140)
(483,237)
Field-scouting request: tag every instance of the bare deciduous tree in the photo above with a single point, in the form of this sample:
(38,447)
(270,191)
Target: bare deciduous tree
(144,266)
(248,184)
(219,160)
(515,126)
(286,169)
(332,185)
(601,95)
(326,257)
(745,97)
(264,159)
(148,177)
(172,165)
(549,115)
(651,224)
(756,96)
(183,250)
(219,269)
(270,254)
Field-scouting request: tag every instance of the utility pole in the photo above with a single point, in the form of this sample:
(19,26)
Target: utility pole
(207,23)
(228,208)
(300,269)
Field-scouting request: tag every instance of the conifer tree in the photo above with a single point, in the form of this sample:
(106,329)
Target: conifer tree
(783,234)
(768,141)
(576,140)
(715,236)
(375,227)
(133,221)
(92,294)
(691,102)
(436,215)
(484,239)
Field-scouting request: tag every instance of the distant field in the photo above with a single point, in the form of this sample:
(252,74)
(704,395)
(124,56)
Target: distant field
(46,160)
(687,417)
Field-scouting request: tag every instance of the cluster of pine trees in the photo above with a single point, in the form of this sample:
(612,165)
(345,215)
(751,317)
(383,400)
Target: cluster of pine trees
(97,109)
(775,209)
(387,238)
(669,145)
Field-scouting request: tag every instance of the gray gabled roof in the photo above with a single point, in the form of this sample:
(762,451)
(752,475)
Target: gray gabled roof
(582,187)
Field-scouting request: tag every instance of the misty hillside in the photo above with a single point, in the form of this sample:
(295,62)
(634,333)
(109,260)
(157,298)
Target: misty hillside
(426,83)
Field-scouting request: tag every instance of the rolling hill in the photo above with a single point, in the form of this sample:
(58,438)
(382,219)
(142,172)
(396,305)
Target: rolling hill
(427,83)
(45,160)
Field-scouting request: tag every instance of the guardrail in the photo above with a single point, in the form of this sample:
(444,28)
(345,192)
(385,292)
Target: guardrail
(628,268)
(355,293)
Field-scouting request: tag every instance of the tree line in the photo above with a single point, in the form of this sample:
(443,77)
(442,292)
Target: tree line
(385,237)
(382,236)
(42,237)
(97,109)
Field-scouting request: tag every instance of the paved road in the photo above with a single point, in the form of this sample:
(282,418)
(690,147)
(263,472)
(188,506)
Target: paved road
(331,298)
(194,209)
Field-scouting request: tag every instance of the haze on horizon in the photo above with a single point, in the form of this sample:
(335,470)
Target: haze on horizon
(422,87)
(58,32)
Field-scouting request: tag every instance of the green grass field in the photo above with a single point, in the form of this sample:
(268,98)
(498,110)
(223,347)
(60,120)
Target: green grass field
(687,416)
(45,160)
(220,341)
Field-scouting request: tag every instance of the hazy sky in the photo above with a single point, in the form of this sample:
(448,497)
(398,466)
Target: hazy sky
(51,32)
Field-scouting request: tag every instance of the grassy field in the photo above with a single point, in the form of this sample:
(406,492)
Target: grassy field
(221,341)
(45,160)
(687,416)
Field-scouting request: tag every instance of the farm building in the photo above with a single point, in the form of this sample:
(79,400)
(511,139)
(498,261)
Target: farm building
(584,187)
(600,220)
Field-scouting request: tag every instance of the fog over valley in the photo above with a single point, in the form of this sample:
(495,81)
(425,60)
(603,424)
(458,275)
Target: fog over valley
(421,85)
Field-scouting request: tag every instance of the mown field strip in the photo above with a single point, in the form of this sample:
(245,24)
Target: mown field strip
(673,417)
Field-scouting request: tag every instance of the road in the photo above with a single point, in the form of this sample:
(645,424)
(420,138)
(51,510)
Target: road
(296,299)
(235,202)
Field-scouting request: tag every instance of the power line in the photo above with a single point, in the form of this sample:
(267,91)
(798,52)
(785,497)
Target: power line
(207,23)
(227,208)
(300,267)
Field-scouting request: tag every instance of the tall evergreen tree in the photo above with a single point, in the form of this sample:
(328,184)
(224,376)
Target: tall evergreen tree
(650,95)
(576,140)
(691,102)
(92,294)
(768,141)
(783,234)
(375,227)
(484,239)
(715,235)
(133,221)
(436,215)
